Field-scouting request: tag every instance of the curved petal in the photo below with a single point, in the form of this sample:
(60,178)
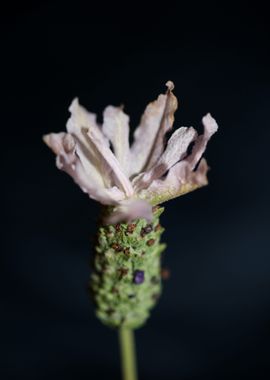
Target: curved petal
(176,149)
(106,196)
(210,127)
(94,150)
(156,121)
(54,141)
(80,118)
(111,164)
(116,129)
(64,146)
(182,178)
(83,119)
(179,181)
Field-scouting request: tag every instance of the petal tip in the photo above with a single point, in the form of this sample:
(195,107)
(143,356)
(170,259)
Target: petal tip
(170,85)
(46,139)
(209,122)
(74,105)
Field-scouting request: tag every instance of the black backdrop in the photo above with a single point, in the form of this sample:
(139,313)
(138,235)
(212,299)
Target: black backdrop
(213,320)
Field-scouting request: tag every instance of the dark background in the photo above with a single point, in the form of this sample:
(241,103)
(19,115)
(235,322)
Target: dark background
(213,321)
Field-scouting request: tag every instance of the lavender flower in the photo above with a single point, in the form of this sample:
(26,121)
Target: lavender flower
(132,178)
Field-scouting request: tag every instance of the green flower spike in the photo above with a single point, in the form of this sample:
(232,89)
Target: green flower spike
(126,281)
(131,182)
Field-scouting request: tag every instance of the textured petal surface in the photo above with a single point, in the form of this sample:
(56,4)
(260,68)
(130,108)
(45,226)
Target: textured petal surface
(94,150)
(80,120)
(156,121)
(54,141)
(129,210)
(64,146)
(110,164)
(182,178)
(176,149)
(116,129)
(179,181)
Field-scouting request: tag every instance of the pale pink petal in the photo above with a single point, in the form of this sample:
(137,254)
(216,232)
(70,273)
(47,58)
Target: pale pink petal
(179,181)
(54,141)
(129,210)
(181,173)
(199,176)
(210,127)
(80,120)
(176,150)
(84,119)
(182,178)
(94,151)
(106,196)
(116,129)
(164,189)
(64,146)
(156,121)
(111,165)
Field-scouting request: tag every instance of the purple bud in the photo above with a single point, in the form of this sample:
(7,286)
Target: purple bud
(138,277)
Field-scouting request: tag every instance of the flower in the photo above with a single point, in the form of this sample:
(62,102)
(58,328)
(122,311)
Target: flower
(132,178)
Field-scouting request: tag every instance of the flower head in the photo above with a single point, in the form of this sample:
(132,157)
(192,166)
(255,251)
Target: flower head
(132,178)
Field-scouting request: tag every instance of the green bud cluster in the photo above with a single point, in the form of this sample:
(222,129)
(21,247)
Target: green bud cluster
(126,278)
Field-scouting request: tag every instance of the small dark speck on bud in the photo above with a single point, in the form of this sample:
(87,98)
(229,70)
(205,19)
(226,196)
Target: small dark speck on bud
(138,277)
(123,272)
(131,228)
(146,230)
(116,247)
(165,274)
(150,242)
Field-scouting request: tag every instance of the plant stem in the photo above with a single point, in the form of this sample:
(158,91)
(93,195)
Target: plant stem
(128,356)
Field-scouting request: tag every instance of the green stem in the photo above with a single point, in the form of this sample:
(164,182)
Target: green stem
(128,356)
